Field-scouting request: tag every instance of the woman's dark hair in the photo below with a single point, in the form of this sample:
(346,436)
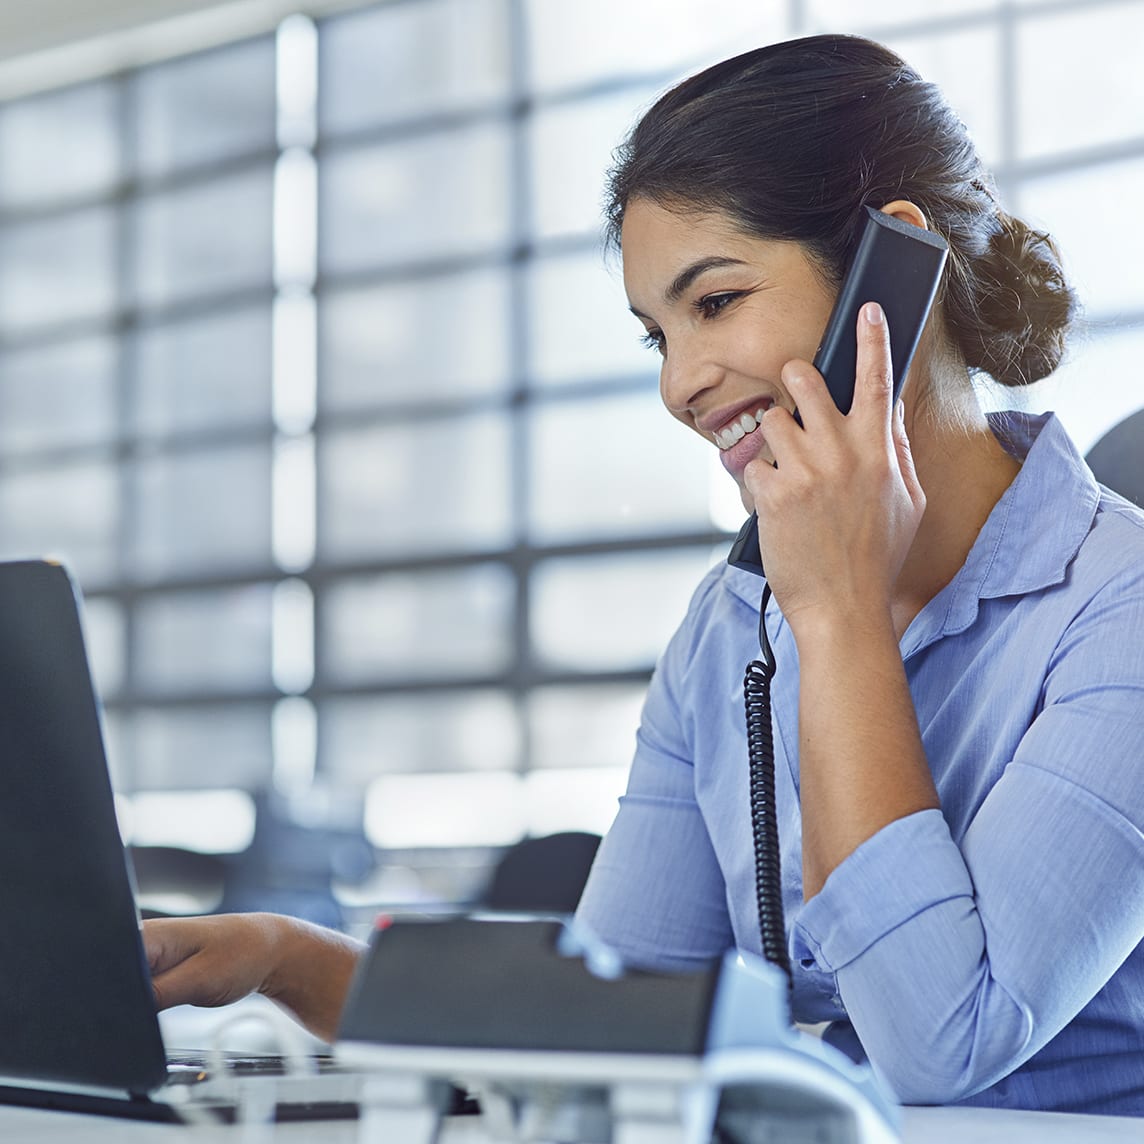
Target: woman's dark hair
(792,140)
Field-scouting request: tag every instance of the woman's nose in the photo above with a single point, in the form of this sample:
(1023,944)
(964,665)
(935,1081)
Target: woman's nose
(685,376)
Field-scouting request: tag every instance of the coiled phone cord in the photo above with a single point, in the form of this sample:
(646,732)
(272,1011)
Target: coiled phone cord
(764,823)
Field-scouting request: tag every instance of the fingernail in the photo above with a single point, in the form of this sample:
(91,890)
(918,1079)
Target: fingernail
(872,312)
(790,373)
(900,412)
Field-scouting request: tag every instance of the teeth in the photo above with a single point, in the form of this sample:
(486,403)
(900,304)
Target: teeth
(737,430)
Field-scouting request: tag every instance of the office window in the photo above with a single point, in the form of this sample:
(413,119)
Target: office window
(396,62)
(59,395)
(57,270)
(313,370)
(429,340)
(202,373)
(60,146)
(205,108)
(1093,40)
(400,627)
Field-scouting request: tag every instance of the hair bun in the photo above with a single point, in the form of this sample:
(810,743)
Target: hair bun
(1026,305)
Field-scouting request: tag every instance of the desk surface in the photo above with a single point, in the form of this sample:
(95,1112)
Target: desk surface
(921,1126)
(196,1026)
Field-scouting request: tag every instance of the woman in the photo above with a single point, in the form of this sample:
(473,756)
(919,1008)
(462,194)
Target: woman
(958,619)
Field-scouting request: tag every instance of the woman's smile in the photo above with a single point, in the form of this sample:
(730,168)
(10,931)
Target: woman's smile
(726,311)
(739,436)
(739,427)
(746,446)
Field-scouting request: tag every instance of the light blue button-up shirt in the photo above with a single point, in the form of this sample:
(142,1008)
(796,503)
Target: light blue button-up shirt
(988,953)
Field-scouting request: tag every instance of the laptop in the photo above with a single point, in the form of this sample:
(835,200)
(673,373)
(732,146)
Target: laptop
(78,1027)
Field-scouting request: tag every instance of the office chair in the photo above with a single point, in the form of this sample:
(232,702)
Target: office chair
(1117,459)
(542,875)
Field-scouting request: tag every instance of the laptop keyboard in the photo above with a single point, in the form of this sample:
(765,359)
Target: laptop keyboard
(193,1066)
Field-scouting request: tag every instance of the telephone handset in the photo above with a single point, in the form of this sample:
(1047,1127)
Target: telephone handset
(899,266)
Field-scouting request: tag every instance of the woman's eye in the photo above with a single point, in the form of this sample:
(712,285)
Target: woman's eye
(654,340)
(710,305)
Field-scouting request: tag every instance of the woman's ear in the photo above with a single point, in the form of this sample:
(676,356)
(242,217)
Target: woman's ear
(906,211)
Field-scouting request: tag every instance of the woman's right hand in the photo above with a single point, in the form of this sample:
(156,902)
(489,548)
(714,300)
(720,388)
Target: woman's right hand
(216,960)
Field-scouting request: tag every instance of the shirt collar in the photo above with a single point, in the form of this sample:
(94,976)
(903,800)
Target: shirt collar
(1038,525)
(1034,531)
(1029,539)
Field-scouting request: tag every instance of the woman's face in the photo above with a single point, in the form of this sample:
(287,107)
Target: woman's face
(726,311)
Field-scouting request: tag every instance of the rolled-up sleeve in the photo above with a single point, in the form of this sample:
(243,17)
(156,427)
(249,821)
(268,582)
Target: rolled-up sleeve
(957,961)
(656,893)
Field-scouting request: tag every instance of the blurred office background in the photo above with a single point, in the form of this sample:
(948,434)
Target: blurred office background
(312,370)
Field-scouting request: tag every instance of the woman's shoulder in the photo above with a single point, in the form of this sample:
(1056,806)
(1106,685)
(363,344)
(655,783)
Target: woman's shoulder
(1119,516)
(1058,522)
(725,590)
(1113,550)
(723,612)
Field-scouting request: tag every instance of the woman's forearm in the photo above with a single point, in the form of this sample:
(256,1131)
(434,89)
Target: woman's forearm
(861,760)
(311,973)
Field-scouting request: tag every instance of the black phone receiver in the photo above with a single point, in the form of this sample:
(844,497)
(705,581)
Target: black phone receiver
(898,265)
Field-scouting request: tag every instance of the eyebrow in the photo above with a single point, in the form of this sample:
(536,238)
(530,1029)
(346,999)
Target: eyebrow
(688,275)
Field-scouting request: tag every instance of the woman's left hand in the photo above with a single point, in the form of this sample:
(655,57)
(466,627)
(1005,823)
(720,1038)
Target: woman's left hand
(839,511)
(218,959)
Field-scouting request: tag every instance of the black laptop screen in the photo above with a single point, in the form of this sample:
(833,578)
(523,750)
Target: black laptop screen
(75,997)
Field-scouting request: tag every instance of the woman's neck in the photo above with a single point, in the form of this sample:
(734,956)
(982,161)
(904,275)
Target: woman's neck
(964,471)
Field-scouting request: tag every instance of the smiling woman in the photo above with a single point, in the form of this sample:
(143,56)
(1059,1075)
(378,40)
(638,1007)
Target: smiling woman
(957,612)
(959,726)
